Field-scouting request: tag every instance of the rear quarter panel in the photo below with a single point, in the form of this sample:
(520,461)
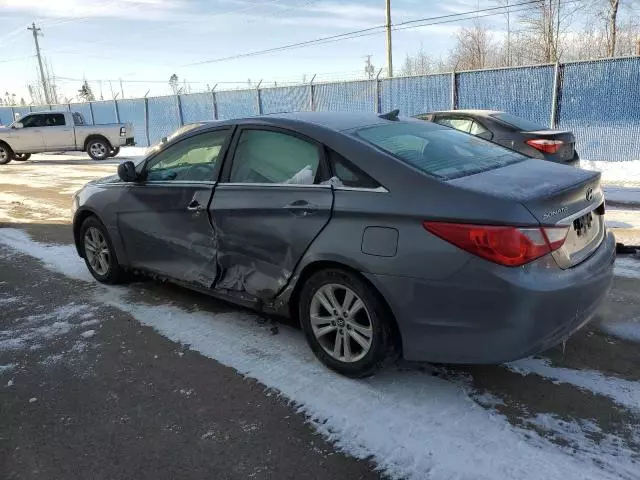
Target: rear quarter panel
(111,132)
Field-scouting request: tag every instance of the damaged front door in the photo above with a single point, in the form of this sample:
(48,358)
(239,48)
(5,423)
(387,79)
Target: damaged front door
(164,219)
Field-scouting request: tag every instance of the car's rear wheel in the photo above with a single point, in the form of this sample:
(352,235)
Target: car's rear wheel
(21,157)
(98,149)
(346,323)
(6,154)
(99,254)
(114,151)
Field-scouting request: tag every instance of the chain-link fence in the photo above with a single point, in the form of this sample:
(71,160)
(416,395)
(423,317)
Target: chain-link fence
(599,101)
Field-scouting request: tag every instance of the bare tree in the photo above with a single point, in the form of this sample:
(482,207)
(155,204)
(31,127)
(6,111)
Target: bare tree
(474,49)
(612,26)
(419,64)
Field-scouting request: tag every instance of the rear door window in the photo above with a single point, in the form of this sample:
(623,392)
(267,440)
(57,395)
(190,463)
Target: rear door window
(78,119)
(53,120)
(462,124)
(440,152)
(266,156)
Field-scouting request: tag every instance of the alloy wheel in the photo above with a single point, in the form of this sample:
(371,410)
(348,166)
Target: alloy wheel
(341,323)
(97,251)
(98,149)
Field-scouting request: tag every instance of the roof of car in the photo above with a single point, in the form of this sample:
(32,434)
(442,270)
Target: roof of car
(338,121)
(477,112)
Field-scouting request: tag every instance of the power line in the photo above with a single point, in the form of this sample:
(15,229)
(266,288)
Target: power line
(357,33)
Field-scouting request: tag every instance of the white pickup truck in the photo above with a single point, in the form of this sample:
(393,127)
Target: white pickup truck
(63,131)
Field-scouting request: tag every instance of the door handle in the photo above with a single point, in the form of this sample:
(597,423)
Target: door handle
(301,208)
(195,206)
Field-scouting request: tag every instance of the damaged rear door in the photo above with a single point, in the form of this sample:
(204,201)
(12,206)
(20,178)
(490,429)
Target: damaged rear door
(163,218)
(267,209)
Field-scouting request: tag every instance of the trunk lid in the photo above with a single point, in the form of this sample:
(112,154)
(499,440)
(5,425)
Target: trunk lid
(566,151)
(556,195)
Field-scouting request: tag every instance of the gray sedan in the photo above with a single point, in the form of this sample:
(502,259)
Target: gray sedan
(384,236)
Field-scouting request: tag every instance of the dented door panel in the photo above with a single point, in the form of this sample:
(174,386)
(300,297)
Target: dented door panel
(262,231)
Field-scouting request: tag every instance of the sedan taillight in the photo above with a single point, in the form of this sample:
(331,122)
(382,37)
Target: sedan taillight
(545,145)
(509,246)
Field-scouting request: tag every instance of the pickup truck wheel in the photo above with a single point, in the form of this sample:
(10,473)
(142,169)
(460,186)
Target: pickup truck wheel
(21,157)
(114,151)
(98,149)
(6,154)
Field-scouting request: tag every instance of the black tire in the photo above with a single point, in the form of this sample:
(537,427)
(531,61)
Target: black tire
(6,154)
(382,349)
(98,149)
(21,157)
(114,273)
(114,151)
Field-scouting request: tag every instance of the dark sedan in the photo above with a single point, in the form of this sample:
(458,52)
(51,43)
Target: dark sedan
(384,236)
(515,133)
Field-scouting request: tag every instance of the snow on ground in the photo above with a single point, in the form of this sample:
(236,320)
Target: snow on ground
(627,267)
(413,425)
(623,392)
(12,208)
(617,218)
(623,174)
(627,330)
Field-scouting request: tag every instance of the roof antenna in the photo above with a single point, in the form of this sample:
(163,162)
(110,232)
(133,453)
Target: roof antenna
(392,115)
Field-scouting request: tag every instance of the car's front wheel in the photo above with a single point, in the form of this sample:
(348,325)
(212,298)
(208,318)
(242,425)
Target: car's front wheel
(346,323)
(99,254)
(98,149)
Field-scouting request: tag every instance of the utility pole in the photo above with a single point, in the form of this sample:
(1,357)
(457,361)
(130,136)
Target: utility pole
(45,88)
(369,69)
(389,54)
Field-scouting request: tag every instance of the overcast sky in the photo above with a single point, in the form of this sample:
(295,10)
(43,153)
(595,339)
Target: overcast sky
(148,40)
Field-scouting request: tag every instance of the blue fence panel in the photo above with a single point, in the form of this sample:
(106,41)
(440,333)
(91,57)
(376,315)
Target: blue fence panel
(104,112)
(40,108)
(285,99)
(84,109)
(352,96)
(197,107)
(236,104)
(6,116)
(600,104)
(132,111)
(21,111)
(164,118)
(525,92)
(413,95)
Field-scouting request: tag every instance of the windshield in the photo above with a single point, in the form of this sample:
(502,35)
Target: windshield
(521,124)
(438,151)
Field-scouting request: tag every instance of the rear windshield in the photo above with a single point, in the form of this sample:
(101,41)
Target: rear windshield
(438,151)
(521,124)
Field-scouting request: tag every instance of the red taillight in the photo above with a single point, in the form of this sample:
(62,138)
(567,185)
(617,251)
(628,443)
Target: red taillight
(545,145)
(510,246)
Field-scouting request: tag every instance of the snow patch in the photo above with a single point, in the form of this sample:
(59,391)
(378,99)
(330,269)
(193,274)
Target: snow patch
(88,334)
(627,267)
(627,330)
(7,367)
(623,392)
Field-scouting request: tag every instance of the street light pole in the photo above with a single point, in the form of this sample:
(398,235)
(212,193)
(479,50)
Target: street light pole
(389,49)
(35,31)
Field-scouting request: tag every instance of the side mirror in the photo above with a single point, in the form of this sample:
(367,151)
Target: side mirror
(18,125)
(487,135)
(127,171)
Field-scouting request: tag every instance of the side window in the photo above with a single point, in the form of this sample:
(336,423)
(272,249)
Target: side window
(477,129)
(264,156)
(348,174)
(193,159)
(462,124)
(53,120)
(31,121)
(78,119)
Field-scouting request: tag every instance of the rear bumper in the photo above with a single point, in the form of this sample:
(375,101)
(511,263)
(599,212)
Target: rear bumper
(490,314)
